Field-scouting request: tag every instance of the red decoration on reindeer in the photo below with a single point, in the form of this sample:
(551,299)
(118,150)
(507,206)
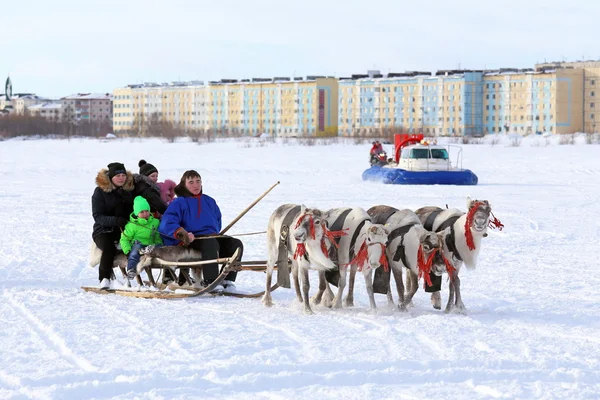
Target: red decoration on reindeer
(449,267)
(494,223)
(362,257)
(331,235)
(300,251)
(468,223)
(424,266)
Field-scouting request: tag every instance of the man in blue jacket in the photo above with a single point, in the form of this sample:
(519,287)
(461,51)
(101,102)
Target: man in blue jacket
(193,214)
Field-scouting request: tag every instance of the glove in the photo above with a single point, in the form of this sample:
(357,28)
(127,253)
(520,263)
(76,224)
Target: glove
(121,222)
(182,236)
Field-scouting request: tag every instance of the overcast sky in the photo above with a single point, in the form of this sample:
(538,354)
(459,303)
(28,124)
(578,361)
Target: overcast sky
(56,48)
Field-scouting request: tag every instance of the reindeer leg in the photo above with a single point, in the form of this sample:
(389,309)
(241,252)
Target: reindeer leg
(267,300)
(459,303)
(349,299)
(337,300)
(451,293)
(397,271)
(414,286)
(368,274)
(408,286)
(316,299)
(328,296)
(295,272)
(436,300)
(305,290)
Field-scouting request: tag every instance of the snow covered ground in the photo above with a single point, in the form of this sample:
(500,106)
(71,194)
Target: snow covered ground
(532,329)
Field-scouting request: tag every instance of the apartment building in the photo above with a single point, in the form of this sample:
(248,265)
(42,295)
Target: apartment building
(87,107)
(49,110)
(591,89)
(531,101)
(448,103)
(20,102)
(278,106)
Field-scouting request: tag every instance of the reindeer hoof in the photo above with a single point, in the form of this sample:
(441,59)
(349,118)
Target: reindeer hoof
(349,303)
(308,311)
(267,301)
(402,307)
(436,300)
(316,300)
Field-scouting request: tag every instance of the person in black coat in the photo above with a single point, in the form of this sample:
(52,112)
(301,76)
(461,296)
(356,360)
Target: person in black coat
(146,185)
(112,203)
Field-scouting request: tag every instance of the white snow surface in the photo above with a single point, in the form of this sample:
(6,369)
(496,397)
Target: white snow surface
(532,330)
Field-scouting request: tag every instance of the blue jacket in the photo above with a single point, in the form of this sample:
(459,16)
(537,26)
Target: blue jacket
(199,215)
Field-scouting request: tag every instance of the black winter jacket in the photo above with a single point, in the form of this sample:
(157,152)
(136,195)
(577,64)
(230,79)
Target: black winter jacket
(150,191)
(110,203)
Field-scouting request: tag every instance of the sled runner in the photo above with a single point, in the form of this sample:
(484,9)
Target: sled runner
(150,289)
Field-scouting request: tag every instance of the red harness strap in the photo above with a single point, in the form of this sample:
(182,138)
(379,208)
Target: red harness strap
(362,257)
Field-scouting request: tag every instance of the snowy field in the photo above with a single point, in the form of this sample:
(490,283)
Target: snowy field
(532,330)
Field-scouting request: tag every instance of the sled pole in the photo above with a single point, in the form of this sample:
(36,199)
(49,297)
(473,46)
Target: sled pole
(236,219)
(192,263)
(239,234)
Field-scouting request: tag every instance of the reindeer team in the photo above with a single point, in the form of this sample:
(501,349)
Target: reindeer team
(380,242)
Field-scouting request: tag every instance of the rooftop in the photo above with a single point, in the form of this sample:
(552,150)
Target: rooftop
(89,96)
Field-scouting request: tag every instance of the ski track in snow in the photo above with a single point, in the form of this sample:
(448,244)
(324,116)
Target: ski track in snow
(531,330)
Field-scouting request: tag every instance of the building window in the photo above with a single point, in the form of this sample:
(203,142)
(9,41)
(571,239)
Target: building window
(591,116)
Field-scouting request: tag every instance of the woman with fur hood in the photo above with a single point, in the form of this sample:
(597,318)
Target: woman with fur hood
(112,203)
(147,186)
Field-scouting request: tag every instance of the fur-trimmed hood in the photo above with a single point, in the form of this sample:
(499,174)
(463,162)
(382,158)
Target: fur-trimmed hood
(137,178)
(104,182)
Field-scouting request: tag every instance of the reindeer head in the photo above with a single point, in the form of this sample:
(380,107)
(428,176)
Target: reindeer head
(309,225)
(478,215)
(432,243)
(372,250)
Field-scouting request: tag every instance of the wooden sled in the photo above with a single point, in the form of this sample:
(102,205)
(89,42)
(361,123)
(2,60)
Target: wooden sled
(155,290)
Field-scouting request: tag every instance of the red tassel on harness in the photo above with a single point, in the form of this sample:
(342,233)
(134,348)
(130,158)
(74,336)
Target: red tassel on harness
(361,257)
(449,267)
(383,259)
(495,222)
(424,266)
(331,235)
(300,251)
(468,223)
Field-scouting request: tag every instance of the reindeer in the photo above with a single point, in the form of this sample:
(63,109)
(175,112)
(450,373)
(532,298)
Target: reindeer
(464,232)
(361,246)
(303,232)
(411,246)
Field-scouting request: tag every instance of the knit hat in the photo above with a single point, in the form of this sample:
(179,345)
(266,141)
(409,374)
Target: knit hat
(140,204)
(115,168)
(146,168)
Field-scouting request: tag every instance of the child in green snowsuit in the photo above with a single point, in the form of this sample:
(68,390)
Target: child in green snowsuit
(140,231)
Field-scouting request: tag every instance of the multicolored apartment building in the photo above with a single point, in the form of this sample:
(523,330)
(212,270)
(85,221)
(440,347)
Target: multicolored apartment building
(446,104)
(278,106)
(552,97)
(460,102)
